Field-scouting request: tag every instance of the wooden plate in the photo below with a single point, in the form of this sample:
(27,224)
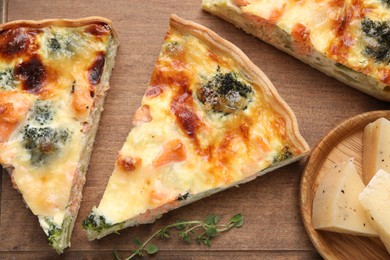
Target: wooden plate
(341,143)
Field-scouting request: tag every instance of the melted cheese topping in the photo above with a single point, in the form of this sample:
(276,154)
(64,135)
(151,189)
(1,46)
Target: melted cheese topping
(47,90)
(332,27)
(179,146)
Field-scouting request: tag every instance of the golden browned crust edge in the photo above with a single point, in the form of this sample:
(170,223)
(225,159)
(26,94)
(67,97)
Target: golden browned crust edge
(60,22)
(251,69)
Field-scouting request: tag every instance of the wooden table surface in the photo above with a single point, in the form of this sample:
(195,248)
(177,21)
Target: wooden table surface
(273,227)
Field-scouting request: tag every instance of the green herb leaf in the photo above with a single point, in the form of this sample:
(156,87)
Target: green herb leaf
(207,242)
(140,252)
(164,233)
(188,231)
(217,219)
(211,220)
(137,242)
(151,249)
(237,220)
(185,237)
(180,225)
(211,232)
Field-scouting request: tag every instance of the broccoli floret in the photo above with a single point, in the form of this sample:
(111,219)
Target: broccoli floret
(58,235)
(376,36)
(225,93)
(44,142)
(60,45)
(42,112)
(7,79)
(53,44)
(53,234)
(284,154)
(53,231)
(96,223)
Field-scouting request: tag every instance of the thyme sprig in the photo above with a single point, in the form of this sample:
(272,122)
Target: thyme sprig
(202,231)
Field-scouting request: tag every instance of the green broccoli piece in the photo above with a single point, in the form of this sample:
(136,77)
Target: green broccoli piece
(7,79)
(283,155)
(376,36)
(225,93)
(58,236)
(43,142)
(61,45)
(96,223)
(42,112)
(54,233)
(53,44)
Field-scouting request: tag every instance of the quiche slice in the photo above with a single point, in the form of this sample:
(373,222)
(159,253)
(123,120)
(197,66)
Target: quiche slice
(54,75)
(348,40)
(209,120)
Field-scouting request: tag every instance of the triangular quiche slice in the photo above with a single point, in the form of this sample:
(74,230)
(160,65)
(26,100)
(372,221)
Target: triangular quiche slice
(209,120)
(54,75)
(348,40)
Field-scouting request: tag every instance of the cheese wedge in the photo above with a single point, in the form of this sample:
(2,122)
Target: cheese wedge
(347,40)
(375,199)
(336,206)
(376,148)
(209,120)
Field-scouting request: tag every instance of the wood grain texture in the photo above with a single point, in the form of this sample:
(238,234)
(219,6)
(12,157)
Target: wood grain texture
(270,204)
(342,143)
(169,255)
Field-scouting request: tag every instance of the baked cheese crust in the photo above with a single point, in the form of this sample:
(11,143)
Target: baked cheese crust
(348,40)
(53,79)
(209,120)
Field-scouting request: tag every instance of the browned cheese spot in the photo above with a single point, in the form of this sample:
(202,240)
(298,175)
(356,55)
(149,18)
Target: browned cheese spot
(98,29)
(31,73)
(96,69)
(16,42)
(127,163)
(186,117)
